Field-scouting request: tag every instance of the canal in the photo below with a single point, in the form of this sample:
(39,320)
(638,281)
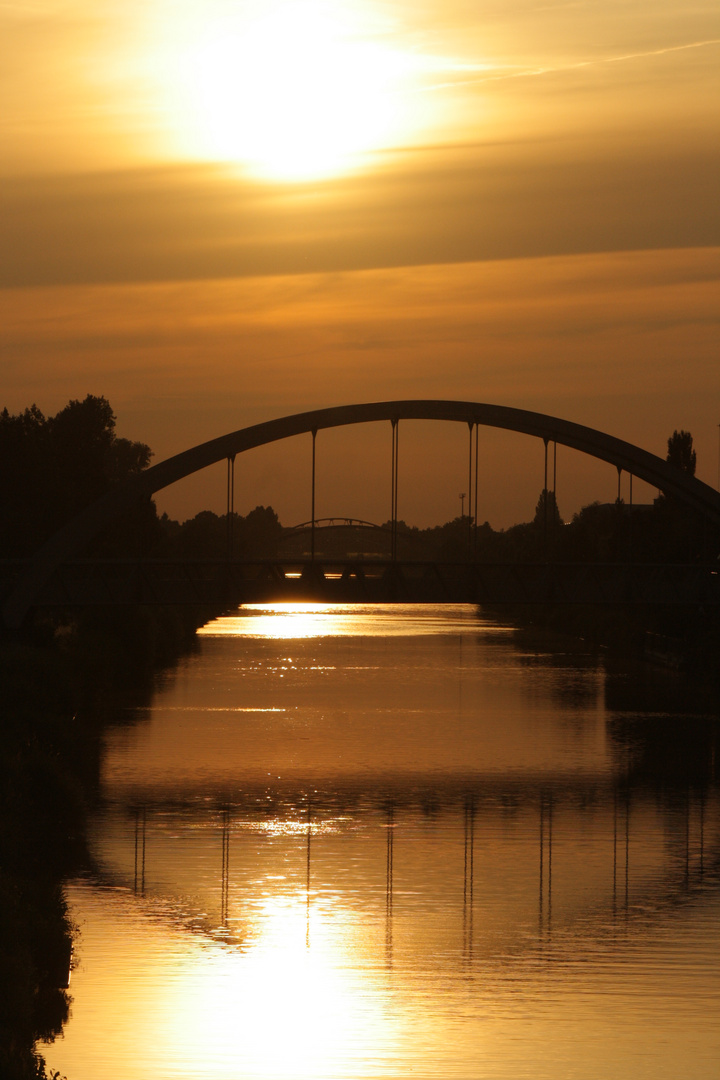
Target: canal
(399,841)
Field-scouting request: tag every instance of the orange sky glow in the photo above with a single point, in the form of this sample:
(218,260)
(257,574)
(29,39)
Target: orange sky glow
(219,213)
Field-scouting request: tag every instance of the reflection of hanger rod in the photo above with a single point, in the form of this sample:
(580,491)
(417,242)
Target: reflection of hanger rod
(543,818)
(139,851)
(389,883)
(225,879)
(468,878)
(307,880)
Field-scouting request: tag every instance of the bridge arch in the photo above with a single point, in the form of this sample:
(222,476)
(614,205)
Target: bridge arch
(623,455)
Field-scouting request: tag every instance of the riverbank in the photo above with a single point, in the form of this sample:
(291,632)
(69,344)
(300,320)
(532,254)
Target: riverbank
(683,640)
(64,682)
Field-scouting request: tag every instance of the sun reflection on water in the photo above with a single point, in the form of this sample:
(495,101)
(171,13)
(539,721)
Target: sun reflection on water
(293,620)
(284,621)
(293,1005)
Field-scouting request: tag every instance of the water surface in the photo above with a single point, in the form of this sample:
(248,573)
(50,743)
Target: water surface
(392,842)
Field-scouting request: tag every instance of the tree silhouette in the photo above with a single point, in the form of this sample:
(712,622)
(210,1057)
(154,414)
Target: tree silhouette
(50,468)
(546,511)
(680,452)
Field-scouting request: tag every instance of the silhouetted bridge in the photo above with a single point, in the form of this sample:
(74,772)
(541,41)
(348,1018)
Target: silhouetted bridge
(223,582)
(57,576)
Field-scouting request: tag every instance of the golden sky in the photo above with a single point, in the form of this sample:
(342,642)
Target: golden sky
(218,213)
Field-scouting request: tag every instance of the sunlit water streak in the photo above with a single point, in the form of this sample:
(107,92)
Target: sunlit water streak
(331,848)
(288,621)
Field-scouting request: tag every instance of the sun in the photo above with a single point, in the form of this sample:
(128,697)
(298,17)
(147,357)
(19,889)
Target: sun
(293,90)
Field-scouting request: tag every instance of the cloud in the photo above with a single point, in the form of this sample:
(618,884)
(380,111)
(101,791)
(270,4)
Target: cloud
(466,204)
(626,342)
(491,74)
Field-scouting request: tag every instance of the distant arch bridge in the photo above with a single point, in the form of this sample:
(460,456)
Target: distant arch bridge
(55,576)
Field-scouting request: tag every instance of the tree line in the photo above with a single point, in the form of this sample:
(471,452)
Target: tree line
(51,467)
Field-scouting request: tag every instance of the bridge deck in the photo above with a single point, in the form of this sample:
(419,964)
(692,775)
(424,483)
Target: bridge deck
(82,583)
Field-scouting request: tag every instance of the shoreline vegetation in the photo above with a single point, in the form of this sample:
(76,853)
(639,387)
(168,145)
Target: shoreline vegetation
(68,676)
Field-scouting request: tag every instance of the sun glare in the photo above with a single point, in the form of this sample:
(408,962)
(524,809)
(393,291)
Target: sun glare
(283,621)
(290,1005)
(293,90)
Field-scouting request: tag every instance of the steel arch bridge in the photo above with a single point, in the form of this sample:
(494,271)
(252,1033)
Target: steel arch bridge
(71,540)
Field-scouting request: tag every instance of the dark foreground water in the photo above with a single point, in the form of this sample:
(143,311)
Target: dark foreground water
(399,843)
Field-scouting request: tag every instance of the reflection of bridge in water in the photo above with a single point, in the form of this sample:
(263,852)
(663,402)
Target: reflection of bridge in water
(57,576)
(502,862)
